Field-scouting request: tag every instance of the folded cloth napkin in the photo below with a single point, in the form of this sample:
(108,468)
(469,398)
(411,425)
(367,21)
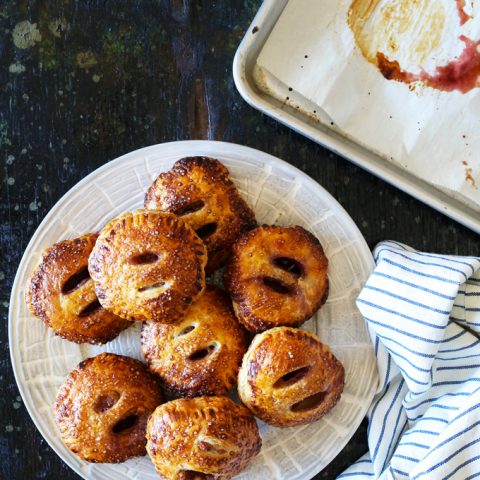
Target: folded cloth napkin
(423,315)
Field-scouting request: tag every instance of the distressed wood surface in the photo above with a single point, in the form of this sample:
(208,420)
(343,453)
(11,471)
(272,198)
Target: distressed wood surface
(82,82)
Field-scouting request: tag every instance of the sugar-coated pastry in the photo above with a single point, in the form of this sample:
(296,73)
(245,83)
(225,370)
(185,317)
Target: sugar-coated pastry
(103,407)
(201,438)
(201,355)
(199,189)
(61,293)
(276,276)
(289,377)
(148,265)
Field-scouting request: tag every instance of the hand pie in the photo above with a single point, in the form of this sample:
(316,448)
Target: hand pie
(276,276)
(201,438)
(202,354)
(61,293)
(103,407)
(289,377)
(199,189)
(148,265)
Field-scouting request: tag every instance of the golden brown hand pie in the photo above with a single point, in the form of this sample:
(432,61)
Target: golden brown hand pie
(199,189)
(202,354)
(103,407)
(289,377)
(276,276)
(148,265)
(61,293)
(201,438)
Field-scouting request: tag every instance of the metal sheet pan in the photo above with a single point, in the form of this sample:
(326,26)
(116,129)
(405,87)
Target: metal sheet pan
(322,133)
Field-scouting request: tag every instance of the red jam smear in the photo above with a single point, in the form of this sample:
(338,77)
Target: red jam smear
(391,70)
(463,15)
(462,74)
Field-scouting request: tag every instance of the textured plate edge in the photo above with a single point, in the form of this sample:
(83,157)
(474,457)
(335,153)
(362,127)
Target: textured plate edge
(200,144)
(267,16)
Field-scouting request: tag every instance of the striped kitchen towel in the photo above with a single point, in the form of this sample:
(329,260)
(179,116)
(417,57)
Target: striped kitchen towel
(423,315)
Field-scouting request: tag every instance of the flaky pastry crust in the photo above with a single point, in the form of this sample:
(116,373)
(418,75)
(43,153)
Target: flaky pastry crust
(103,407)
(201,191)
(204,437)
(202,354)
(148,265)
(289,377)
(61,293)
(276,276)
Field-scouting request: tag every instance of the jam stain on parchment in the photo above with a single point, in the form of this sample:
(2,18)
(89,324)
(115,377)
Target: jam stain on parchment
(462,14)
(468,174)
(461,73)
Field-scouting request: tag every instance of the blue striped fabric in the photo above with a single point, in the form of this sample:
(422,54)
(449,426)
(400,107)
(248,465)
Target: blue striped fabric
(424,422)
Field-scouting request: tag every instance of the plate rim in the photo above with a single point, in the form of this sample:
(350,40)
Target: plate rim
(215,144)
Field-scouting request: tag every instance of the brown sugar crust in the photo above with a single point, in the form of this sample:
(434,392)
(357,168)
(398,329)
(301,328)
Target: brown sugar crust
(103,407)
(148,265)
(202,438)
(200,190)
(289,377)
(61,293)
(276,276)
(202,354)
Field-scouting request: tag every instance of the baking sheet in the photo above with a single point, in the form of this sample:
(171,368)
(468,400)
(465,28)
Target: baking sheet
(305,116)
(431,133)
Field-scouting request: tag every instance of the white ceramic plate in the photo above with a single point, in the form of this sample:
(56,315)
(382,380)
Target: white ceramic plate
(280,194)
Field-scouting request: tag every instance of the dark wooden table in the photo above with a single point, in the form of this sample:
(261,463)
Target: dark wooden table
(84,82)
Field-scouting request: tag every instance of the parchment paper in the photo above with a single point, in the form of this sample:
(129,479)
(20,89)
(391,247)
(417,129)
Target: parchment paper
(433,134)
